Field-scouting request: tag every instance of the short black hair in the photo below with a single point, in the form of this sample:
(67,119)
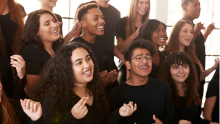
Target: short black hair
(185,2)
(84,8)
(148,28)
(140,43)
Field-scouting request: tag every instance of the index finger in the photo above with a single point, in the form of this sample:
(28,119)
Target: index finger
(79,103)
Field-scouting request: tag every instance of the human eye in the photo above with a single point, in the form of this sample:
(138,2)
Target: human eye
(139,58)
(185,66)
(79,62)
(54,20)
(88,58)
(46,23)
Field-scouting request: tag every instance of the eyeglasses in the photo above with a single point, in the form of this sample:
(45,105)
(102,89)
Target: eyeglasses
(140,58)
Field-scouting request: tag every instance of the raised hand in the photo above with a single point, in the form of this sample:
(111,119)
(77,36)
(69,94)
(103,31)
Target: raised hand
(197,29)
(104,76)
(32,109)
(210,28)
(216,64)
(157,121)
(127,109)
(112,76)
(76,27)
(135,34)
(184,122)
(79,110)
(18,62)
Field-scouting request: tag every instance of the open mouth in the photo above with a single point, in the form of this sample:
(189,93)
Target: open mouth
(87,72)
(162,39)
(100,27)
(55,32)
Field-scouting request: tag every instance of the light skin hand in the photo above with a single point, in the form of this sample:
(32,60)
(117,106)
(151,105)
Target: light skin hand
(18,62)
(216,64)
(79,110)
(197,29)
(112,76)
(104,76)
(127,109)
(31,108)
(210,28)
(157,121)
(184,122)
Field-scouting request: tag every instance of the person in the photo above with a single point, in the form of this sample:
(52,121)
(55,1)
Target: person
(92,23)
(191,11)
(128,29)
(71,91)
(151,95)
(39,41)
(180,73)
(15,112)
(180,39)
(111,18)
(11,25)
(49,5)
(154,31)
(211,107)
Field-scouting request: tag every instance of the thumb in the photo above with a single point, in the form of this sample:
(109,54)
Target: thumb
(156,119)
(59,23)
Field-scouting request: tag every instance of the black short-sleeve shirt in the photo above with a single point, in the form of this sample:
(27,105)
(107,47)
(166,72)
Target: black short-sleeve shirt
(34,58)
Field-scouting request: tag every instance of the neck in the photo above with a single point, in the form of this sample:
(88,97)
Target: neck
(156,49)
(182,48)
(185,17)
(139,20)
(88,37)
(47,8)
(104,4)
(48,45)
(137,80)
(80,88)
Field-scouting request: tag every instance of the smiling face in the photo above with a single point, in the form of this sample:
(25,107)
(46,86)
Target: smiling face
(82,65)
(141,69)
(179,73)
(48,29)
(159,36)
(186,35)
(142,7)
(192,9)
(93,22)
(48,3)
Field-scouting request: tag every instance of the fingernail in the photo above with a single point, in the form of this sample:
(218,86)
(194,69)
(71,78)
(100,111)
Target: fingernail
(87,97)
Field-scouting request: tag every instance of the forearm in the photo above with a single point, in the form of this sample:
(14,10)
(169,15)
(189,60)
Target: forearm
(124,44)
(118,54)
(205,35)
(205,73)
(68,37)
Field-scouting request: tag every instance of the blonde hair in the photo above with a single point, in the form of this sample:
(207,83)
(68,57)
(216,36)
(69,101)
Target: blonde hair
(132,15)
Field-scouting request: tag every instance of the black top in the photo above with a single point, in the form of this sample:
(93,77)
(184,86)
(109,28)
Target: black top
(34,59)
(111,17)
(12,87)
(24,119)
(152,98)
(122,28)
(9,29)
(94,116)
(213,90)
(59,18)
(200,48)
(191,114)
(100,51)
(155,68)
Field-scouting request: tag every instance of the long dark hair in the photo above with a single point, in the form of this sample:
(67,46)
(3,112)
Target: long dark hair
(29,34)
(148,28)
(192,83)
(57,78)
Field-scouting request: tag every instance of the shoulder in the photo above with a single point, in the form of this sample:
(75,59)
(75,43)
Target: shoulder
(23,12)
(159,83)
(58,17)
(30,48)
(114,9)
(77,39)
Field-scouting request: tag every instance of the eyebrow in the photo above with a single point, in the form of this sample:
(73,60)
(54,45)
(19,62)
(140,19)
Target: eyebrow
(80,59)
(142,54)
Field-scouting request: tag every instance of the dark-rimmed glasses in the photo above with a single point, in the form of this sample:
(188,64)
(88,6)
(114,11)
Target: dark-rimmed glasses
(140,58)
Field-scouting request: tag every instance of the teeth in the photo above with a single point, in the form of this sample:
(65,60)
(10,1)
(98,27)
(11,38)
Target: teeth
(87,72)
(54,31)
(100,27)
(143,67)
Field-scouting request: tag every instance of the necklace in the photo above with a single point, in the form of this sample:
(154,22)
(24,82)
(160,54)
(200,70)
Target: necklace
(50,51)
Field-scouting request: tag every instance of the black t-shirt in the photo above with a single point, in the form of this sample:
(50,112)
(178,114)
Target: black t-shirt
(100,51)
(59,18)
(122,28)
(94,116)
(213,90)
(200,48)
(23,118)
(111,17)
(152,98)
(9,29)
(34,59)
(191,114)
(155,68)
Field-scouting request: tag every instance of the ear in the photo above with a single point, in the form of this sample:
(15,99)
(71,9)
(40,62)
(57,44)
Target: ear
(128,65)
(83,23)
(184,8)
(38,34)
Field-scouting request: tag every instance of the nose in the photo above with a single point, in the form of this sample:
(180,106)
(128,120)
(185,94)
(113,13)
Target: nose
(86,64)
(55,24)
(102,21)
(181,69)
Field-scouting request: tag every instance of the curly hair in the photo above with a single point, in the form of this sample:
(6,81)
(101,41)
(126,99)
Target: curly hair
(29,34)
(57,78)
(192,83)
(148,28)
